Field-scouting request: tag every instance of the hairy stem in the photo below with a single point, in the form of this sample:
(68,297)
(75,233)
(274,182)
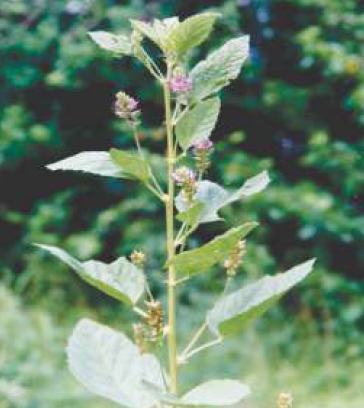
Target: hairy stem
(172,338)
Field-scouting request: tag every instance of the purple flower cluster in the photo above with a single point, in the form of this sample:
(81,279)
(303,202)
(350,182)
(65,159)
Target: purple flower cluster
(203,146)
(126,106)
(180,84)
(184,176)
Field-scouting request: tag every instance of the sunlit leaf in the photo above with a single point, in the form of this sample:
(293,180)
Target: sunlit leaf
(197,124)
(99,163)
(191,32)
(108,364)
(219,68)
(120,279)
(214,197)
(116,44)
(131,164)
(235,311)
(201,259)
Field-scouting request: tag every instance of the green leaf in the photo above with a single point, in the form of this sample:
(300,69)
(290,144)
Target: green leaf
(201,259)
(158,31)
(192,215)
(99,163)
(191,32)
(108,364)
(213,392)
(236,310)
(131,164)
(214,197)
(116,44)
(146,30)
(121,279)
(198,123)
(219,68)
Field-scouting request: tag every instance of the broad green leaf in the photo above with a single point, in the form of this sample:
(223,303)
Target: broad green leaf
(214,197)
(116,44)
(146,30)
(213,392)
(108,364)
(191,32)
(131,164)
(198,123)
(120,279)
(99,163)
(192,215)
(236,310)
(201,259)
(158,31)
(219,68)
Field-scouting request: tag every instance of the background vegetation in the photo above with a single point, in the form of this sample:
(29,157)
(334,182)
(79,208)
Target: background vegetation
(297,110)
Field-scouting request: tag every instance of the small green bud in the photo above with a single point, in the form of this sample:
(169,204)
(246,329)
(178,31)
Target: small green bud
(138,258)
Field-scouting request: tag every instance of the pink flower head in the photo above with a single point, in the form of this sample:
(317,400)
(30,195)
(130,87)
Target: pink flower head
(180,84)
(203,146)
(126,107)
(184,176)
(133,103)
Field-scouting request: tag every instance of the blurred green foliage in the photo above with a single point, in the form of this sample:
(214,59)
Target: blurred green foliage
(297,110)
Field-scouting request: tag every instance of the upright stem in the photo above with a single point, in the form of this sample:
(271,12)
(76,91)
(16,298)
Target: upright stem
(172,338)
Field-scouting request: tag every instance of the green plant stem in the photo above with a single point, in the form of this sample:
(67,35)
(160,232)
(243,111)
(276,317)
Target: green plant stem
(172,338)
(194,339)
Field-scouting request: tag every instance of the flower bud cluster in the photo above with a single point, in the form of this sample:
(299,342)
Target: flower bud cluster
(138,258)
(180,83)
(233,262)
(154,319)
(285,400)
(126,107)
(186,178)
(202,151)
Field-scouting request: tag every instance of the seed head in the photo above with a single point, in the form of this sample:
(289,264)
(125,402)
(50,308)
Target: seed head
(139,337)
(186,178)
(233,262)
(184,175)
(154,320)
(285,400)
(202,151)
(126,107)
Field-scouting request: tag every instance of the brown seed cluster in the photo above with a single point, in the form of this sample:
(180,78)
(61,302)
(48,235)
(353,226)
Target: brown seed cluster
(139,337)
(154,320)
(233,262)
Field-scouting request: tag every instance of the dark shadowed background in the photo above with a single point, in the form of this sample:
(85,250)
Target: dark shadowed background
(297,110)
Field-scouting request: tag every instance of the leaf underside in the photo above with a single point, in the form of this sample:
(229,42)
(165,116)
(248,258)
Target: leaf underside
(214,197)
(108,364)
(99,163)
(120,279)
(236,310)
